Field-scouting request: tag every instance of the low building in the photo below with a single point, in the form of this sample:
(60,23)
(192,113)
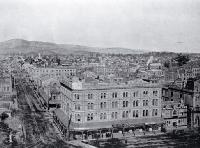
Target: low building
(174,110)
(193,102)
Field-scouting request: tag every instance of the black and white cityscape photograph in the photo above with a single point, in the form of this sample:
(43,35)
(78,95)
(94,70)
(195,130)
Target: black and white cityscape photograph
(99,73)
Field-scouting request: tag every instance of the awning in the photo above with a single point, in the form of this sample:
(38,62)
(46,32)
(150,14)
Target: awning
(137,122)
(62,117)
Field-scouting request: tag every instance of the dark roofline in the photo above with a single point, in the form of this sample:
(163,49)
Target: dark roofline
(64,85)
(179,89)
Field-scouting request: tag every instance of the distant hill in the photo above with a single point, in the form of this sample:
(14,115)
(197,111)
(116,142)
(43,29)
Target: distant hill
(24,46)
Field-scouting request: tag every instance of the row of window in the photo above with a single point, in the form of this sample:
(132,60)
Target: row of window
(6,89)
(174,123)
(172,94)
(52,70)
(103,105)
(115,95)
(114,115)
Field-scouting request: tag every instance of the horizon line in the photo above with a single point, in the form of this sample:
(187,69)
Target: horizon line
(138,49)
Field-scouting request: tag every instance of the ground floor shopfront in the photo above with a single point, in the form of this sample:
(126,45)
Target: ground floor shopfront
(95,130)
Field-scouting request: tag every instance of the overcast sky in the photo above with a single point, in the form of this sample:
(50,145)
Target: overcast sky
(158,25)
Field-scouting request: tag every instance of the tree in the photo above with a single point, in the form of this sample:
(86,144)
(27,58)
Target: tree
(4,116)
(182,59)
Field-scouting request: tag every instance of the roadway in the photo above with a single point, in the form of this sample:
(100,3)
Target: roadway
(38,128)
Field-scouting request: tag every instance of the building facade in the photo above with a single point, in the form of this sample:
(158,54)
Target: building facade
(95,106)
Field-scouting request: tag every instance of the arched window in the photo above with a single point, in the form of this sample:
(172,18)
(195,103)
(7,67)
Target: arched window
(136,104)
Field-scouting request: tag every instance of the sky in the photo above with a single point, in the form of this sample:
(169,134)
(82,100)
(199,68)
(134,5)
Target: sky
(155,25)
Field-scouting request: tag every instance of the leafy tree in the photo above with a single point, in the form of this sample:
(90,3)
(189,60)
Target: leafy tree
(182,59)
(4,116)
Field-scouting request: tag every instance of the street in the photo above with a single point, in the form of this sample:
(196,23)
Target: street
(38,128)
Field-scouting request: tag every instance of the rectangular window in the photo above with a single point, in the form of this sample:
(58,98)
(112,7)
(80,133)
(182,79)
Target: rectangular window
(125,103)
(78,117)
(145,93)
(135,94)
(125,94)
(155,102)
(134,103)
(155,93)
(103,116)
(77,107)
(114,95)
(145,113)
(90,117)
(116,104)
(113,104)
(76,96)
(90,106)
(103,105)
(156,112)
(90,96)
(125,114)
(103,95)
(113,115)
(145,102)
(116,115)
(135,113)
(172,94)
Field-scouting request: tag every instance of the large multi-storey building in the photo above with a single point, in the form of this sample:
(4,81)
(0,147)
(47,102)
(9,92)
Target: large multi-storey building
(6,91)
(95,105)
(54,71)
(5,84)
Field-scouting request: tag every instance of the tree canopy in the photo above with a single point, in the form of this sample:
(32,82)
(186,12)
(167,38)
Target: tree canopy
(182,59)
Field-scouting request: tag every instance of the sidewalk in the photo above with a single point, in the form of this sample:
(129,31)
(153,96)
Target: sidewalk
(77,143)
(131,135)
